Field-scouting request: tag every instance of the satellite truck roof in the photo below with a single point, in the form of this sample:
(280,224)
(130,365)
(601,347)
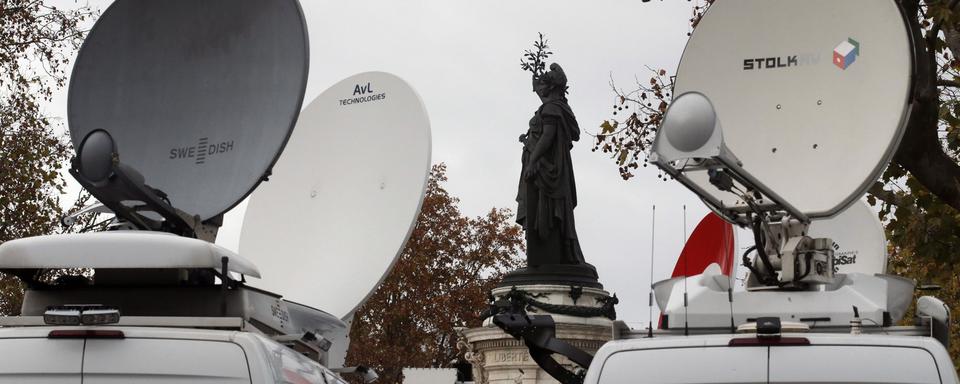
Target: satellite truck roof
(344,196)
(121,250)
(200,97)
(814,104)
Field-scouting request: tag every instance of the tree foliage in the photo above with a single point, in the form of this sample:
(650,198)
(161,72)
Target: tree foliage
(34,45)
(440,281)
(628,133)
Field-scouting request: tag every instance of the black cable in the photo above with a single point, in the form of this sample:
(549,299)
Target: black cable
(749,265)
(882,329)
(809,259)
(761,252)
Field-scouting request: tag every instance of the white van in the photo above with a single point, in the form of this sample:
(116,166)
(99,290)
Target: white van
(158,308)
(122,354)
(789,358)
(816,343)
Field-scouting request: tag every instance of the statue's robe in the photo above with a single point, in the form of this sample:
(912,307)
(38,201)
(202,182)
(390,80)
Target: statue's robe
(546,202)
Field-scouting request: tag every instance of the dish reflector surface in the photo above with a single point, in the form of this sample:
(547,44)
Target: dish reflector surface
(344,196)
(813,101)
(200,95)
(859,239)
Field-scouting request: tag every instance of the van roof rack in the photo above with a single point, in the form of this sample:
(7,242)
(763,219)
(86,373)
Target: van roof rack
(923,327)
(225,323)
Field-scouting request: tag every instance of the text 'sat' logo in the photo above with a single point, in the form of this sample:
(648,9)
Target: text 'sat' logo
(846,53)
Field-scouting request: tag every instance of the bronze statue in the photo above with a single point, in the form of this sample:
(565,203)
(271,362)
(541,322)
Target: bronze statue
(547,192)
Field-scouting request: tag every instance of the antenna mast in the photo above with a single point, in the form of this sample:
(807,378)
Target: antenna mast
(653,228)
(686,272)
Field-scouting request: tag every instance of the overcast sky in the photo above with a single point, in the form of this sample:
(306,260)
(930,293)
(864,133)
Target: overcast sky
(463,58)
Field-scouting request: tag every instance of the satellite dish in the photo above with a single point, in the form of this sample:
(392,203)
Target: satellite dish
(343,199)
(860,244)
(798,96)
(199,97)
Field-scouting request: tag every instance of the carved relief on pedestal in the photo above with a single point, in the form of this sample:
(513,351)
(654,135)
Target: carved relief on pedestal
(474,358)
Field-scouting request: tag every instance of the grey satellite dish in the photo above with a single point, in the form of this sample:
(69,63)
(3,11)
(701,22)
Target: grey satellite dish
(798,97)
(344,196)
(198,97)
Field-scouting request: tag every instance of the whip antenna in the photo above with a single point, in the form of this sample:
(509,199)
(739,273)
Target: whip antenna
(653,229)
(732,277)
(686,324)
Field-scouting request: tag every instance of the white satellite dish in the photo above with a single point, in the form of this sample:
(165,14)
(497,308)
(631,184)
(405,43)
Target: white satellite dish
(344,196)
(781,121)
(814,104)
(860,244)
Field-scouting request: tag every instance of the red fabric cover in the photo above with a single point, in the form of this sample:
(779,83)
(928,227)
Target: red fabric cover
(711,242)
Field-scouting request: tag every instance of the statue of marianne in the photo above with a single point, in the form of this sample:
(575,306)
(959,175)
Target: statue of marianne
(547,193)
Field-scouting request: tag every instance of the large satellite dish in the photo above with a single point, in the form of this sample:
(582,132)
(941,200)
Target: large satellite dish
(199,96)
(813,104)
(343,199)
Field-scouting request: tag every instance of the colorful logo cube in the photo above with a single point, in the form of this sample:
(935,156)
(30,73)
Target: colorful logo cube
(846,53)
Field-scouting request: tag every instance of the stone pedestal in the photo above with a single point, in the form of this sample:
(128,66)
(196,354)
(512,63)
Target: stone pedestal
(498,358)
